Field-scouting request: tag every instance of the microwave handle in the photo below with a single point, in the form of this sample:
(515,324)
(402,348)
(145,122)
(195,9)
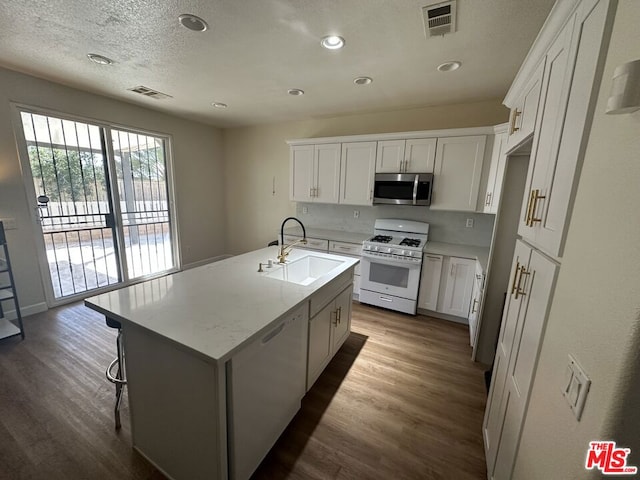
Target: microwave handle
(415,189)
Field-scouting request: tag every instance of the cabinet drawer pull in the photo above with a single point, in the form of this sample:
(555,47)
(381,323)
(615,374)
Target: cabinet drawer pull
(527,221)
(473,307)
(519,290)
(536,196)
(386,299)
(515,277)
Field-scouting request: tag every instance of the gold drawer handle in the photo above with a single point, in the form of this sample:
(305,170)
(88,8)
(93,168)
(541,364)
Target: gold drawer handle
(515,277)
(519,290)
(532,207)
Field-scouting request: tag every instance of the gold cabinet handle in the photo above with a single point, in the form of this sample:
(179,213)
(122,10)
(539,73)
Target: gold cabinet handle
(339,314)
(527,220)
(519,290)
(513,129)
(473,307)
(535,196)
(515,277)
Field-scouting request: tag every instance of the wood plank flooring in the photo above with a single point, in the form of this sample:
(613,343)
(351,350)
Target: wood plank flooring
(401,400)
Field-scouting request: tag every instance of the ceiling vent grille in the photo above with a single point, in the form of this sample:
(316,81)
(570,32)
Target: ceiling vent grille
(149,92)
(439,19)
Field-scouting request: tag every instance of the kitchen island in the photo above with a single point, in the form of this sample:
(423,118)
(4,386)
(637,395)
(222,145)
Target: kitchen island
(219,357)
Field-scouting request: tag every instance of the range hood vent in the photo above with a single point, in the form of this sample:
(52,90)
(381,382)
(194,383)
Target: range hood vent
(440,18)
(149,92)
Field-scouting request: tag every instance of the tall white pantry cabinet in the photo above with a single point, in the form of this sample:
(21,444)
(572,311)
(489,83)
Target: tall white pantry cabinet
(562,73)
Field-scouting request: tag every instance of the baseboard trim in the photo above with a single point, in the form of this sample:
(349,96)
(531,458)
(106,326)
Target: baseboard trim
(206,261)
(26,311)
(443,316)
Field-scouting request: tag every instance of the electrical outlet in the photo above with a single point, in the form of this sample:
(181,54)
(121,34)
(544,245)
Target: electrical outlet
(305,210)
(469,222)
(356,214)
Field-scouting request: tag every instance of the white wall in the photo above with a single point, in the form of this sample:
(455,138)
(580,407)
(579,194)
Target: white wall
(256,155)
(594,315)
(198,167)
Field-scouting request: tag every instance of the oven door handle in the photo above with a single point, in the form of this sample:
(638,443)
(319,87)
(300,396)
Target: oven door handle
(415,189)
(390,261)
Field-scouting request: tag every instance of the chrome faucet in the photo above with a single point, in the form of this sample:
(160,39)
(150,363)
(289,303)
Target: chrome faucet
(284,249)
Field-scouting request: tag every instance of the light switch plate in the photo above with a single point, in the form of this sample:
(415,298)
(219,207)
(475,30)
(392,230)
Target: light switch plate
(576,386)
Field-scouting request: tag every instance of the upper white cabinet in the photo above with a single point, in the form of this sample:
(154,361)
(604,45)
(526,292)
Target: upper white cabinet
(458,168)
(522,119)
(561,133)
(315,173)
(458,277)
(357,172)
(496,173)
(416,155)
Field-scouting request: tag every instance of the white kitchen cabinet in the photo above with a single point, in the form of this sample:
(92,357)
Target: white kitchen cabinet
(522,119)
(319,244)
(457,172)
(350,250)
(476,303)
(430,281)
(328,329)
(457,277)
(529,298)
(266,386)
(416,155)
(496,172)
(565,109)
(315,173)
(357,172)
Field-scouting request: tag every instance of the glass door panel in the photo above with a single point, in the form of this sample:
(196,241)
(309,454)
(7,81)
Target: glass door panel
(68,168)
(141,170)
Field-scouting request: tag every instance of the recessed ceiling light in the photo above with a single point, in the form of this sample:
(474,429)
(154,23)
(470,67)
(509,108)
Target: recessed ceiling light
(99,59)
(362,80)
(449,66)
(332,42)
(193,22)
(296,92)
(219,105)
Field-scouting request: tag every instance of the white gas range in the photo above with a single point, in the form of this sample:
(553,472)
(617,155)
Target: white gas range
(391,264)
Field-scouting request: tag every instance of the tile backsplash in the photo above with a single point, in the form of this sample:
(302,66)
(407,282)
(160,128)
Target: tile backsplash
(449,227)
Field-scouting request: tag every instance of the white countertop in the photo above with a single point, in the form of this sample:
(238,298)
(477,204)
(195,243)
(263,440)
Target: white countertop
(214,309)
(480,254)
(335,235)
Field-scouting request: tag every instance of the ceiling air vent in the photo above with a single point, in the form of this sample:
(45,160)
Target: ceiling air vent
(148,92)
(439,18)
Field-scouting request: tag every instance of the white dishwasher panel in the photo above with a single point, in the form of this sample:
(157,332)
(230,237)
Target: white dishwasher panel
(266,382)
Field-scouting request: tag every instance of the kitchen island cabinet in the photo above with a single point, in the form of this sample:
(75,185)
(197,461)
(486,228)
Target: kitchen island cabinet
(198,344)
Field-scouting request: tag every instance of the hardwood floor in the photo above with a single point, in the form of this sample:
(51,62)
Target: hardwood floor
(400,400)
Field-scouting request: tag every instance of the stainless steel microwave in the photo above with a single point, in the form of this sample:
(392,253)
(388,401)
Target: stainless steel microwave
(403,188)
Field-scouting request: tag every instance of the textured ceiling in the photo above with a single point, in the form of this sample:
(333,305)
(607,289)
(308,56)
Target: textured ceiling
(255,50)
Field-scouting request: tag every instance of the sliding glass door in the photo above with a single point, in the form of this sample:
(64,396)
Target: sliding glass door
(102,201)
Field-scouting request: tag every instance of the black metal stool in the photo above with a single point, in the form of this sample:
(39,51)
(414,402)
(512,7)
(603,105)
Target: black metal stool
(119,379)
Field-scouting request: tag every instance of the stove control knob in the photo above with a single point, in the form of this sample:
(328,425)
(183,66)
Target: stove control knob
(410,253)
(366,247)
(388,250)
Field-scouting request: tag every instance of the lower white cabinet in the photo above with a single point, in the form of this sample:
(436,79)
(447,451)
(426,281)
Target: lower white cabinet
(458,275)
(349,250)
(528,298)
(267,383)
(476,303)
(328,329)
(430,282)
